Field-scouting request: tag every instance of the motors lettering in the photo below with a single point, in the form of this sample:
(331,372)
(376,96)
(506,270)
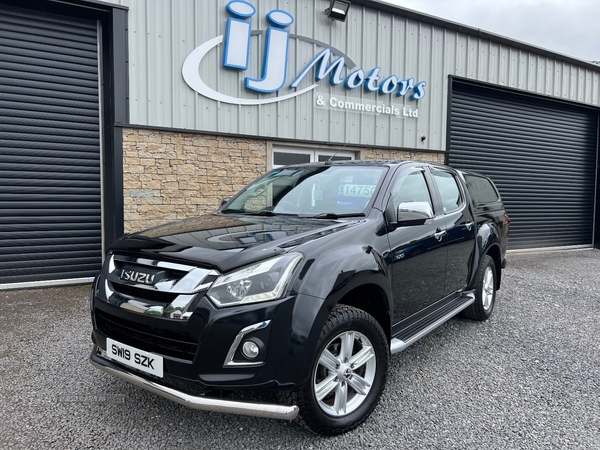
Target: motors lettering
(126,354)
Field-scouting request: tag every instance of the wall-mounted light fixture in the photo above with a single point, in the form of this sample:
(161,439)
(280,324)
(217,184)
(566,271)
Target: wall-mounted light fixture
(338,10)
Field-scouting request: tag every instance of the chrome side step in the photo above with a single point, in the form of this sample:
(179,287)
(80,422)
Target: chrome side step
(397,345)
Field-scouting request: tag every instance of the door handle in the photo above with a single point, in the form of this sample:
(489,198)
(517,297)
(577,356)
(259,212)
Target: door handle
(439,234)
(469,225)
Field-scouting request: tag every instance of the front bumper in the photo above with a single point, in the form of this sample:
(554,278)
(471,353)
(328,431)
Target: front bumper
(206,338)
(272,411)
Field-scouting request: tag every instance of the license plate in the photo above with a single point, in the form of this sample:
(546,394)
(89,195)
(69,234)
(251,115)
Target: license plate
(133,357)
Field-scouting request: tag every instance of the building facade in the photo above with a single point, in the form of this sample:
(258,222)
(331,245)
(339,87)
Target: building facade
(118,116)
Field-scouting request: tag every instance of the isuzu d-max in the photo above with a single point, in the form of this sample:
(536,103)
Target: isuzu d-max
(300,287)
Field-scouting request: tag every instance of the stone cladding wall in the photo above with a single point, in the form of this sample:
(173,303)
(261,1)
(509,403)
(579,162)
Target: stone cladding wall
(169,176)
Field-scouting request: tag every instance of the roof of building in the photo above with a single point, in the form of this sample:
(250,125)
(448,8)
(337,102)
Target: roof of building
(472,31)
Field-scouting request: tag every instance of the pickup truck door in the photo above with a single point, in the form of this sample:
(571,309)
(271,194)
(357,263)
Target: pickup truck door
(417,253)
(460,228)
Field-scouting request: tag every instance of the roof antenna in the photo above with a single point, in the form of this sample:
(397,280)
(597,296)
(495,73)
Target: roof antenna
(330,160)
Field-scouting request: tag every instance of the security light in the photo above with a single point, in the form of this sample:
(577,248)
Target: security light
(338,10)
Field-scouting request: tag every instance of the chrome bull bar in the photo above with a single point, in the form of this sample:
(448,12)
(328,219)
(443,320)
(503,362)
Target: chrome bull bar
(267,410)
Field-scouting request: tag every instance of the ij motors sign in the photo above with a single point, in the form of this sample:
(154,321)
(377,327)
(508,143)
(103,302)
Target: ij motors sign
(328,64)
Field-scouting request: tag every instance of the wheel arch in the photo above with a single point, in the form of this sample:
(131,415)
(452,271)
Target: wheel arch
(488,239)
(494,252)
(373,300)
(312,314)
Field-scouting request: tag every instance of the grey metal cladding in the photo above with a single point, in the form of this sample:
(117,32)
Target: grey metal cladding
(162,34)
(50,207)
(540,154)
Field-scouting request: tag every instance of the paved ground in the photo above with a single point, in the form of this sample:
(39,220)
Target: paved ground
(529,378)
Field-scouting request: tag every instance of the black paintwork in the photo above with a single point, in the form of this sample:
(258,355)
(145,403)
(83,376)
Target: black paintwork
(227,242)
(395,273)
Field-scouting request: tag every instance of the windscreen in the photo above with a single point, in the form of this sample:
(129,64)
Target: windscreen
(310,191)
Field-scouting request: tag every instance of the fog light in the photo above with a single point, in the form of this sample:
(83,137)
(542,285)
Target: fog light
(250,350)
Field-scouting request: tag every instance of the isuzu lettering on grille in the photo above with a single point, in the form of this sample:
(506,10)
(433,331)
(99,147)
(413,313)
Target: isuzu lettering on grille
(137,277)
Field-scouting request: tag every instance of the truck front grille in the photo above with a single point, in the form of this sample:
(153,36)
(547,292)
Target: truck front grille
(148,338)
(143,294)
(154,287)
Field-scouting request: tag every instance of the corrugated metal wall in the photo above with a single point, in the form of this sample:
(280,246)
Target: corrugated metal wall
(50,217)
(163,32)
(540,154)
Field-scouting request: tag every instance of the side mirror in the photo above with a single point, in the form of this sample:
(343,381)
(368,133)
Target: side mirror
(225,200)
(413,213)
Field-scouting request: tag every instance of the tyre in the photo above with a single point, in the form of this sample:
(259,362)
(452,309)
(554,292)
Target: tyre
(348,373)
(485,291)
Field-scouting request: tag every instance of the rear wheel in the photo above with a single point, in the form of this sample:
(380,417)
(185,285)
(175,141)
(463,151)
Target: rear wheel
(348,373)
(485,292)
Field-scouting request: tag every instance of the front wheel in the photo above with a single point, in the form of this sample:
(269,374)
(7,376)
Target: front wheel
(348,373)
(485,292)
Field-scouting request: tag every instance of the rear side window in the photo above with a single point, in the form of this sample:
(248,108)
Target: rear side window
(481,189)
(449,190)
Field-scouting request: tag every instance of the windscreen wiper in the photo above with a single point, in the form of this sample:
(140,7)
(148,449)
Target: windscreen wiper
(330,215)
(232,211)
(265,212)
(262,212)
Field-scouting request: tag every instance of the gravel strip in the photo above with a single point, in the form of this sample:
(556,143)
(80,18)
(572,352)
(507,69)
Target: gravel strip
(529,378)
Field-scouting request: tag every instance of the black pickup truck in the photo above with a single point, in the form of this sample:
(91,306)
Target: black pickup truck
(299,288)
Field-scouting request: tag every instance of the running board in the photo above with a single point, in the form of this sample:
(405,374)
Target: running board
(423,327)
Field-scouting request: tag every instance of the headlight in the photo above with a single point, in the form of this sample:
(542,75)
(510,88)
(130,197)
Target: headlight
(260,282)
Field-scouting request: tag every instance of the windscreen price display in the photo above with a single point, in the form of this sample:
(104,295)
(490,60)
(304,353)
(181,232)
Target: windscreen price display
(356,190)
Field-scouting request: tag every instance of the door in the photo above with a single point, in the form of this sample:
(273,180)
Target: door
(50,199)
(541,154)
(418,253)
(460,229)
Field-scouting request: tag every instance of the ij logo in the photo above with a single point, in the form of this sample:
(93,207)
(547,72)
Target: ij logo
(237,46)
(236,56)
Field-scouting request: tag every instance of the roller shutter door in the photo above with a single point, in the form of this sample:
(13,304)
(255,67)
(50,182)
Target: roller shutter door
(50,208)
(541,155)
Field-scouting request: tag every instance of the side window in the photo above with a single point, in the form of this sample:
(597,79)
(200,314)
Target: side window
(481,189)
(450,192)
(412,188)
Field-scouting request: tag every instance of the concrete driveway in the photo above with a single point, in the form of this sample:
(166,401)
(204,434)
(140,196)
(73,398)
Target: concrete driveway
(529,378)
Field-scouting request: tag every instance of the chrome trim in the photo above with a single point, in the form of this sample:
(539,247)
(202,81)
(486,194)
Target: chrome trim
(439,235)
(229,362)
(272,411)
(179,307)
(111,263)
(192,281)
(398,345)
(153,262)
